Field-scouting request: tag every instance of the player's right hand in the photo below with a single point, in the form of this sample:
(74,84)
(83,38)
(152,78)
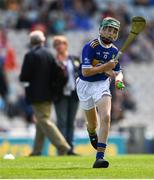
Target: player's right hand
(111,64)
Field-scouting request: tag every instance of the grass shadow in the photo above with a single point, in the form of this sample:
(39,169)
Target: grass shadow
(57,169)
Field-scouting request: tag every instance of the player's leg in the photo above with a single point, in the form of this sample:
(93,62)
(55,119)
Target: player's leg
(88,105)
(104,109)
(91,117)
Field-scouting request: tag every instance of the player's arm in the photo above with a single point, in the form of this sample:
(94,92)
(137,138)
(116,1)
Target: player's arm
(98,69)
(88,55)
(119,77)
(119,81)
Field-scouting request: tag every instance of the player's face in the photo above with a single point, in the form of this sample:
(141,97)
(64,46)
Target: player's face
(110,33)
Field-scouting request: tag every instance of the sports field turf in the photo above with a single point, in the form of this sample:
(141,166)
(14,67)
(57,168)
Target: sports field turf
(128,166)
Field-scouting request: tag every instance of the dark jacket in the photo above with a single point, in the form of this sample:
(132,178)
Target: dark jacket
(3,83)
(42,73)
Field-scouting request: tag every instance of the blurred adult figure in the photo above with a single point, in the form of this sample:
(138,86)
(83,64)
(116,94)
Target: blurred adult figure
(67,103)
(39,72)
(3,55)
(3,83)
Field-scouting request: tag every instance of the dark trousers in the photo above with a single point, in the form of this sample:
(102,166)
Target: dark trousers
(66,109)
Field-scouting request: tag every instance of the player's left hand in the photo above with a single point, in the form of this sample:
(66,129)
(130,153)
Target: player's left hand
(119,84)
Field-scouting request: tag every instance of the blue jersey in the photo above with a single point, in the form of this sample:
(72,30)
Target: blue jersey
(95,54)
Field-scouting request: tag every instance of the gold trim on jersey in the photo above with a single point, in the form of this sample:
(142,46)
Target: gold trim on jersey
(94,43)
(95,62)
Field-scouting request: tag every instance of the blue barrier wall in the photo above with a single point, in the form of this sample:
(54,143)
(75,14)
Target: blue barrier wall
(23,146)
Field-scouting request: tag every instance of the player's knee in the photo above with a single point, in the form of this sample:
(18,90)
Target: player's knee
(106,118)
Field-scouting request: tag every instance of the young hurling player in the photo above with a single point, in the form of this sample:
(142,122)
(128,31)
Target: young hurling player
(97,67)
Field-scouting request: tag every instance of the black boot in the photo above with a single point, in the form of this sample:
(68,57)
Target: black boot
(101,163)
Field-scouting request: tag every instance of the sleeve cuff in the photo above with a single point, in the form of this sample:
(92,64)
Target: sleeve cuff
(87,66)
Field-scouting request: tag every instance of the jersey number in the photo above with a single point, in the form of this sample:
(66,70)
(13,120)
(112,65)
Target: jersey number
(105,56)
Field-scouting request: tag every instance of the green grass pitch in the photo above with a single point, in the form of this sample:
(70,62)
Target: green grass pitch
(68,167)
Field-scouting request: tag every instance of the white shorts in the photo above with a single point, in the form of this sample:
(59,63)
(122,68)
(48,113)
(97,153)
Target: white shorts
(90,92)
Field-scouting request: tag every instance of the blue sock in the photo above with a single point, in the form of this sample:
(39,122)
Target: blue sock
(102,145)
(99,154)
